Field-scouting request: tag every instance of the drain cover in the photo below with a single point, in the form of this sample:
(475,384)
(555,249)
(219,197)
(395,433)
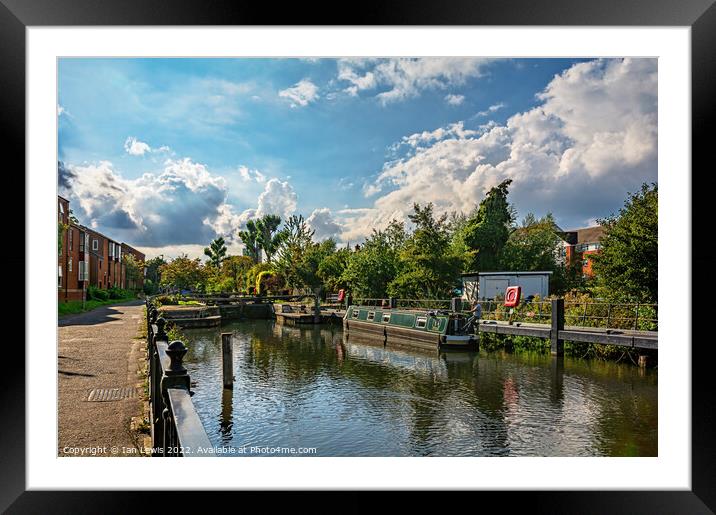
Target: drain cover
(111,394)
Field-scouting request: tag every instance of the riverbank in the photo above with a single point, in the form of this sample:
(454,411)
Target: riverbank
(75,306)
(101,360)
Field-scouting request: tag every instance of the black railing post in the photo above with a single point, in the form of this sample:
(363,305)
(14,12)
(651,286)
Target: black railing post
(175,376)
(557,344)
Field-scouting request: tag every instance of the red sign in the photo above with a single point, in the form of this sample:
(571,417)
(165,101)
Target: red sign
(512,296)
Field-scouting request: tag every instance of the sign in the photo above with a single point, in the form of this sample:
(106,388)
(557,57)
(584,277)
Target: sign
(512,296)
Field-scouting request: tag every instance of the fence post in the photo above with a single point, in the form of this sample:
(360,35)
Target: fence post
(175,376)
(227,359)
(393,302)
(557,344)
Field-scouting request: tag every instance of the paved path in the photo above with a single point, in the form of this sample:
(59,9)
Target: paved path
(99,349)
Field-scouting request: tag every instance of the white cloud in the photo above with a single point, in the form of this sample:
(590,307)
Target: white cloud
(493,108)
(577,154)
(301,94)
(454,100)
(323,223)
(248,175)
(278,198)
(406,77)
(61,110)
(135,147)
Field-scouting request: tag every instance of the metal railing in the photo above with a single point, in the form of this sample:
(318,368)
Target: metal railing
(175,426)
(586,314)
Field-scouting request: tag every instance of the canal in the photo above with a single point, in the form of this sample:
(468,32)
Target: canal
(308,387)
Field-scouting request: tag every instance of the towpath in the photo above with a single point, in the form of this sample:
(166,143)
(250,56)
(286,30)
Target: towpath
(99,356)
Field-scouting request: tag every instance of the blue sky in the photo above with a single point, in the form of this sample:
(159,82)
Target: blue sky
(168,153)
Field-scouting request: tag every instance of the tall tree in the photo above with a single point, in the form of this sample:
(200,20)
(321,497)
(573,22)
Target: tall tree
(216,252)
(375,264)
(486,230)
(428,267)
(627,264)
(296,240)
(249,237)
(269,238)
(133,269)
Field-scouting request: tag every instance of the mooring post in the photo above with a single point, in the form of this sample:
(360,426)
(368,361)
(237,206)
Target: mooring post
(557,347)
(316,309)
(227,358)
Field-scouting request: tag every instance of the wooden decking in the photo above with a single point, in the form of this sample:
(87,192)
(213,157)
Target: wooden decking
(622,338)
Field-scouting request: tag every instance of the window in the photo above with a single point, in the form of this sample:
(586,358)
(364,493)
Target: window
(355,313)
(59,276)
(69,265)
(81,271)
(386,318)
(82,241)
(371,315)
(69,239)
(95,245)
(111,250)
(421,322)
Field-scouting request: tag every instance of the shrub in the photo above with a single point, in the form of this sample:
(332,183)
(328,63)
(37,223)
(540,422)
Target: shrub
(97,293)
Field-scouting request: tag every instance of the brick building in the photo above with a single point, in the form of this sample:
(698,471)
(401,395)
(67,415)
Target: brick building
(579,245)
(89,258)
(138,282)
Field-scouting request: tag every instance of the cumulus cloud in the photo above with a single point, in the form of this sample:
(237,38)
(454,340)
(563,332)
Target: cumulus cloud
(248,175)
(402,78)
(592,139)
(454,100)
(301,94)
(323,223)
(165,208)
(135,147)
(278,198)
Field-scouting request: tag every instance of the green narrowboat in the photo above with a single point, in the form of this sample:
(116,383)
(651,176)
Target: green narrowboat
(422,328)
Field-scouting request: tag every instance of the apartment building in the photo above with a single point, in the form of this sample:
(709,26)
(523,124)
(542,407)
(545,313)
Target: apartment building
(89,258)
(579,244)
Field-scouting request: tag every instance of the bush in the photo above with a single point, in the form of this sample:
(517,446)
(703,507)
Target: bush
(97,294)
(119,293)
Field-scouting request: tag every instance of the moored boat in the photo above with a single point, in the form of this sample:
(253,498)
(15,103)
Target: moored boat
(422,328)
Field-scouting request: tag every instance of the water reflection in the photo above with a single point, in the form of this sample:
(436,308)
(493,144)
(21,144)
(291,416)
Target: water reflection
(312,387)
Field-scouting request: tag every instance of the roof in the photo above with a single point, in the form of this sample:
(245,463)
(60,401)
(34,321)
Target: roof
(473,274)
(590,234)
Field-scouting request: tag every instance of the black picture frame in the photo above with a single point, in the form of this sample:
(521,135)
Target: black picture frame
(700,15)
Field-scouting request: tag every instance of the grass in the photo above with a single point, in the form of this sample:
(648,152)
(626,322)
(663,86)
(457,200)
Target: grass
(75,306)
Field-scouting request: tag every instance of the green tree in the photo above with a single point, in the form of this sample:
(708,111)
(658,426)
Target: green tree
(532,246)
(269,238)
(133,270)
(428,267)
(627,264)
(249,237)
(216,252)
(371,268)
(313,256)
(486,230)
(296,240)
(234,269)
(152,266)
(331,270)
(183,273)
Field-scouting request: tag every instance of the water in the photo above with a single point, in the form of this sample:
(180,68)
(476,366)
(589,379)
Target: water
(307,387)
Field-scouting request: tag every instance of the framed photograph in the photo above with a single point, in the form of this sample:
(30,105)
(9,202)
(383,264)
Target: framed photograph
(422,249)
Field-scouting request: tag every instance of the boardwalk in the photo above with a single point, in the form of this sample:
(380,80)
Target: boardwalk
(98,359)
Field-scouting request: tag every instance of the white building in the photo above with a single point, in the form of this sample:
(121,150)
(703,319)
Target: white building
(491,285)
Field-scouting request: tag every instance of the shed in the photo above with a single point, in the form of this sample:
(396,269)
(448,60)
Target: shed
(489,285)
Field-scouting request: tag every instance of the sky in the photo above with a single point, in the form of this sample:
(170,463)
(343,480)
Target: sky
(168,154)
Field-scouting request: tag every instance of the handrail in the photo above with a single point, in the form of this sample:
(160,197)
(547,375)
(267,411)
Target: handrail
(175,425)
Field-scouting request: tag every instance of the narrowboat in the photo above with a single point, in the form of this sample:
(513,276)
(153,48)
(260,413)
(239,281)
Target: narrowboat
(422,328)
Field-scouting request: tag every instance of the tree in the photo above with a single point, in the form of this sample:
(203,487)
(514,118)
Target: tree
(183,273)
(249,237)
(152,266)
(486,230)
(311,259)
(296,240)
(216,252)
(133,270)
(268,238)
(627,264)
(428,267)
(375,264)
(234,268)
(532,246)
(331,270)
